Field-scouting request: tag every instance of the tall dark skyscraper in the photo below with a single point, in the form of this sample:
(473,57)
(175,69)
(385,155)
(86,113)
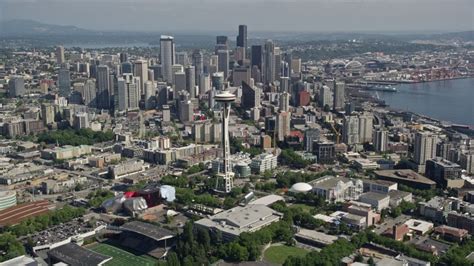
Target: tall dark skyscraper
(123,57)
(103,87)
(222,43)
(198,63)
(242,37)
(257,54)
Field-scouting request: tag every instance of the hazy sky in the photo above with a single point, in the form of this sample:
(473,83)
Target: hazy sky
(259,15)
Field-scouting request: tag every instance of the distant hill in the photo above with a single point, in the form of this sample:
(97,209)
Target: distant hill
(464,36)
(24,27)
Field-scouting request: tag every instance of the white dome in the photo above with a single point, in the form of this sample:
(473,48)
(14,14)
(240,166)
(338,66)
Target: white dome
(301,187)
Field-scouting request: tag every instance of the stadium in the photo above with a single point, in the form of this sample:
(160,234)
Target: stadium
(136,242)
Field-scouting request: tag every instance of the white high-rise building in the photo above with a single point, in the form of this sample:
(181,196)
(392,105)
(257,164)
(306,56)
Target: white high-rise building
(425,147)
(128,95)
(204,84)
(167,56)
(60,55)
(339,95)
(90,93)
(283,125)
(325,96)
(365,127)
(350,130)
(141,70)
(285,102)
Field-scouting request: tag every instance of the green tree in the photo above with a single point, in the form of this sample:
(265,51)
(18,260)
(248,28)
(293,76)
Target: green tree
(10,247)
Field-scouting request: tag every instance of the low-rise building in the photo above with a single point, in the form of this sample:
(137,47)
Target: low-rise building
(419,227)
(7,199)
(263,162)
(231,223)
(380,186)
(436,209)
(126,169)
(406,177)
(378,201)
(397,196)
(314,238)
(65,152)
(462,221)
(451,233)
(337,189)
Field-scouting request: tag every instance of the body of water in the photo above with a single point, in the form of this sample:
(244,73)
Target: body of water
(448,100)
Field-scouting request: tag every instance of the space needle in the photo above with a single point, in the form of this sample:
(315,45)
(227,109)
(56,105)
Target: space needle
(225,180)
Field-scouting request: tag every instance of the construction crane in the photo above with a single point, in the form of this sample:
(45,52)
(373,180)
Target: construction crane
(337,133)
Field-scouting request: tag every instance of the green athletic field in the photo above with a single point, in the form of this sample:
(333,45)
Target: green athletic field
(278,254)
(121,257)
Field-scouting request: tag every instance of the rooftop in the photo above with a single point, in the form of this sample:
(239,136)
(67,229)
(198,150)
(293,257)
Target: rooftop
(75,255)
(328,182)
(149,230)
(241,219)
(316,236)
(374,195)
(405,174)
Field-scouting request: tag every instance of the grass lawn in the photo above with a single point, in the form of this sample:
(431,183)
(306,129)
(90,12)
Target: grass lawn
(278,254)
(121,257)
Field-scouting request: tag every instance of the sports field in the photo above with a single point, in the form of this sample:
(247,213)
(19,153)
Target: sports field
(121,257)
(278,254)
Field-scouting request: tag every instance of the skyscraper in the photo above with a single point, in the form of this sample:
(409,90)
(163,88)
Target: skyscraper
(256,56)
(179,81)
(250,96)
(127,93)
(283,125)
(365,127)
(190,81)
(325,96)
(150,90)
(90,93)
(339,95)
(60,55)
(222,43)
(198,63)
(381,140)
(350,130)
(64,82)
(16,86)
(123,57)
(223,63)
(242,38)
(141,70)
(425,147)
(269,62)
(241,74)
(103,87)
(182,58)
(204,84)
(284,102)
(167,56)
